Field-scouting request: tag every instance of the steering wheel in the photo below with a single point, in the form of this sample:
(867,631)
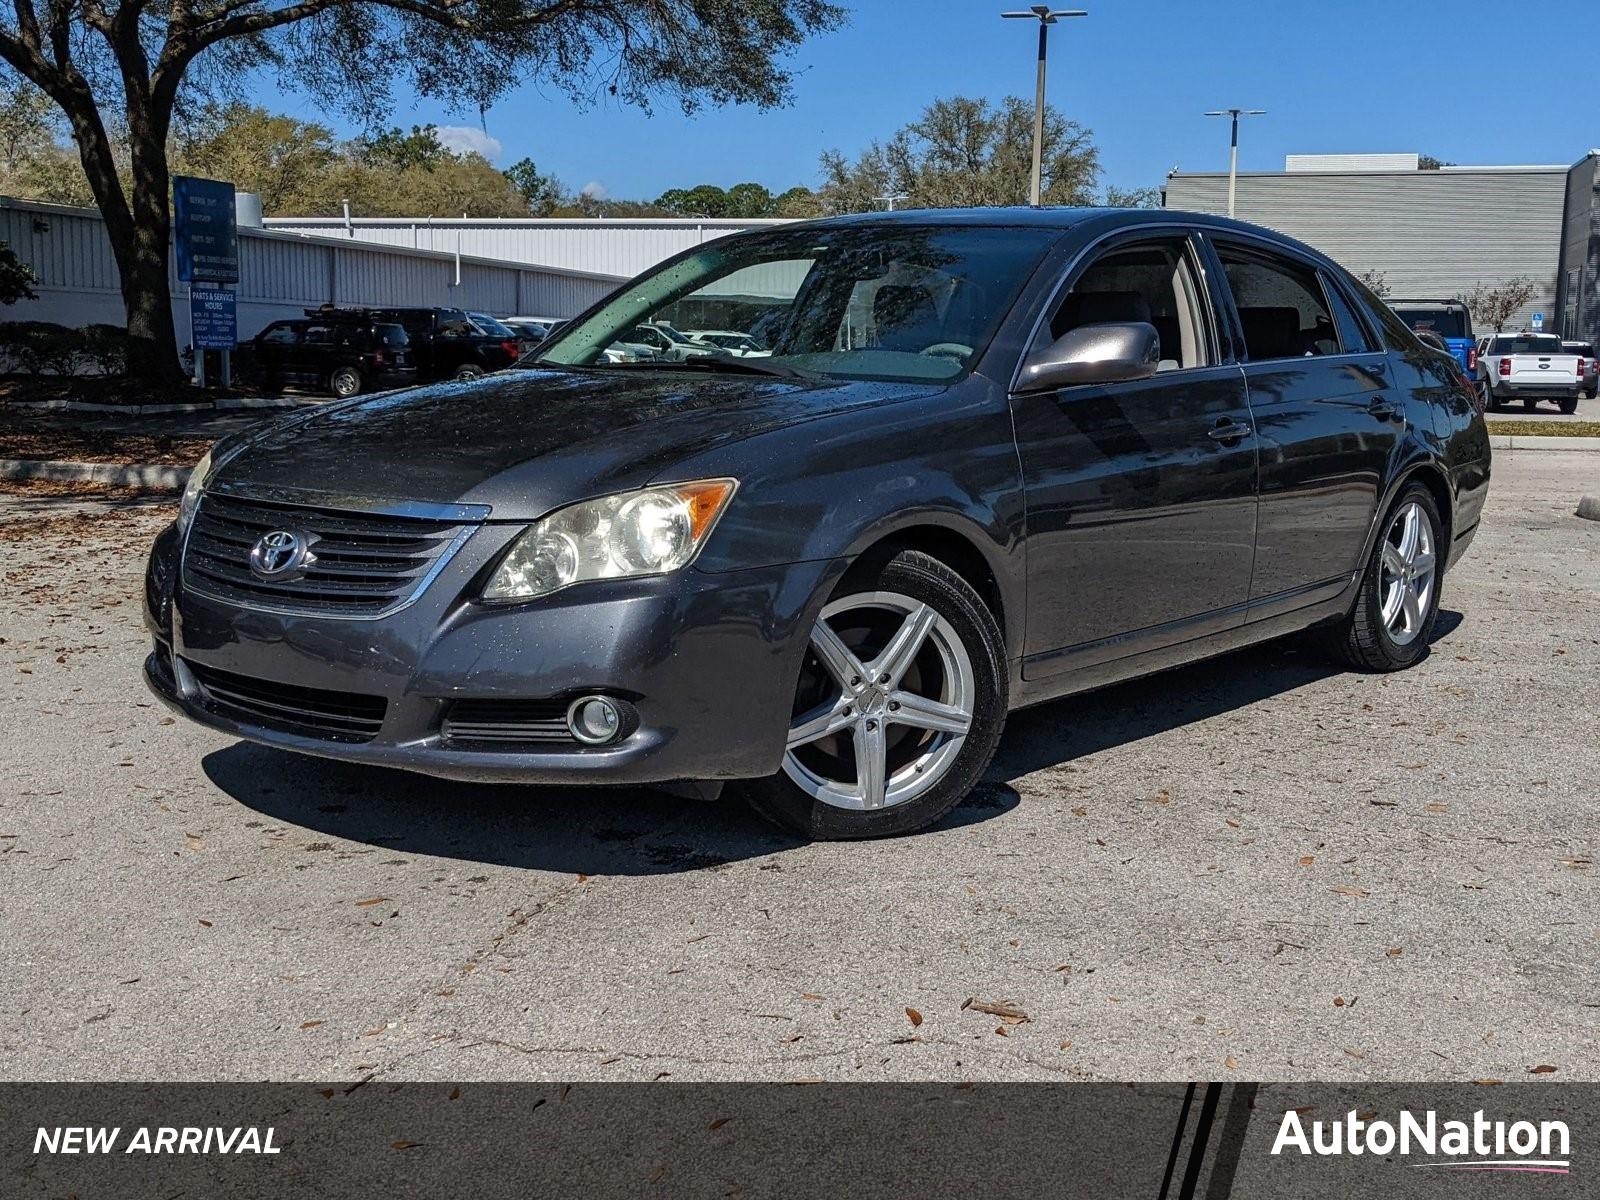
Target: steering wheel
(951,350)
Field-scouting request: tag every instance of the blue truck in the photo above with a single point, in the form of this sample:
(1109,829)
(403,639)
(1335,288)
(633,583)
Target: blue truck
(1447,319)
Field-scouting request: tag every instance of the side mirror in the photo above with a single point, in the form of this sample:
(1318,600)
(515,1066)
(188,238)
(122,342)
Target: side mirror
(1429,338)
(1110,353)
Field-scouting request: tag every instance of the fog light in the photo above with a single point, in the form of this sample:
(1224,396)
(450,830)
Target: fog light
(594,720)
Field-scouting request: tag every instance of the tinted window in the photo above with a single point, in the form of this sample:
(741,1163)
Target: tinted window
(279,335)
(1281,306)
(877,300)
(1527,343)
(1582,348)
(1151,282)
(491,326)
(391,335)
(1352,334)
(1446,322)
(454,323)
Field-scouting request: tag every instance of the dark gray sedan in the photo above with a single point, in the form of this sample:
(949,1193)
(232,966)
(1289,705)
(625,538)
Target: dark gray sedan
(995,457)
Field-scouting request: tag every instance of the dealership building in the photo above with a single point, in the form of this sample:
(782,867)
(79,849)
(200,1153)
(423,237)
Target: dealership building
(1433,234)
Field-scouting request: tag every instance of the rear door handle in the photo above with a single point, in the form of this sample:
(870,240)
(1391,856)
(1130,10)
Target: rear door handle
(1227,430)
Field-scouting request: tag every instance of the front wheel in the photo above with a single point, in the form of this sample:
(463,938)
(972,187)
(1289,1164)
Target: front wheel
(1399,597)
(898,708)
(345,382)
(469,371)
(1529,403)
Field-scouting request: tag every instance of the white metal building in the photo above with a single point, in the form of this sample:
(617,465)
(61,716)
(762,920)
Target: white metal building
(281,275)
(1432,234)
(621,247)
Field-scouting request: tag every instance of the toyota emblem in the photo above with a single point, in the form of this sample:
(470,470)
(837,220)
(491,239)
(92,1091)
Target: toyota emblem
(277,553)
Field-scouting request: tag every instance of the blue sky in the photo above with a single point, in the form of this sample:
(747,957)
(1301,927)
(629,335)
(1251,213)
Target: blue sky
(1354,76)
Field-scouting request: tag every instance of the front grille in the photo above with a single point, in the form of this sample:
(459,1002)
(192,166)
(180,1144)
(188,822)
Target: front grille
(366,564)
(313,712)
(507,721)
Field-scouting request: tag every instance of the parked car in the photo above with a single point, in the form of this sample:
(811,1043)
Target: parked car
(344,357)
(1591,364)
(1449,320)
(445,344)
(667,343)
(740,345)
(997,457)
(1530,367)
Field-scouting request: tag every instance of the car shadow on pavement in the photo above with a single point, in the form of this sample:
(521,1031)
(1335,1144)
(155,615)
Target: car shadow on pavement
(1077,726)
(592,831)
(634,831)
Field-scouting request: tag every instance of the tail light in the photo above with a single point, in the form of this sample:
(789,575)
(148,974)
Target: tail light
(1505,366)
(1472,358)
(377,358)
(1581,368)
(511,348)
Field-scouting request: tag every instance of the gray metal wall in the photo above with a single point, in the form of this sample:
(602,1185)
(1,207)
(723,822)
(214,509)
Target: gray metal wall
(610,247)
(280,275)
(1431,233)
(1579,294)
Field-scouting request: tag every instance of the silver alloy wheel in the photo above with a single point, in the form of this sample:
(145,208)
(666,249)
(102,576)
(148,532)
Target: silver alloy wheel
(345,383)
(1408,569)
(869,702)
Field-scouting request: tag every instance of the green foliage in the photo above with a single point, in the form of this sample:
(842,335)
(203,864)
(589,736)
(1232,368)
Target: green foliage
(398,150)
(41,348)
(542,194)
(106,348)
(1145,197)
(16,277)
(964,152)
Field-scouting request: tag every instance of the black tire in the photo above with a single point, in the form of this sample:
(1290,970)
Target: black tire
(469,371)
(1529,403)
(1491,402)
(923,578)
(1362,641)
(1592,391)
(1569,404)
(345,382)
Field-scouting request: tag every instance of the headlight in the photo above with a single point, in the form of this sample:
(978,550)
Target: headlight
(192,491)
(648,532)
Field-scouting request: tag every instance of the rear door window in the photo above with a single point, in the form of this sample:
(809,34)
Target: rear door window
(1352,334)
(1282,308)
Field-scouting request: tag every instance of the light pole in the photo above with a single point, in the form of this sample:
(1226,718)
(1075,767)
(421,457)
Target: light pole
(1046,16)
(891,200)
(1233,144)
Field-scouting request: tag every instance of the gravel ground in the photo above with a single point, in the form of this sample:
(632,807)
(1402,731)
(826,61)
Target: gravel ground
(1253,868)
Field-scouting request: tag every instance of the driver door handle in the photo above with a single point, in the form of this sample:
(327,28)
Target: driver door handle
(1228,430)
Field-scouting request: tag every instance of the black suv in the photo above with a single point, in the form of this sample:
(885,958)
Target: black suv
(445,343)
(340,356)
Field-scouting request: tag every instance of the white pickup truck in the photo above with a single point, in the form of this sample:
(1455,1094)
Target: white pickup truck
(1529,367)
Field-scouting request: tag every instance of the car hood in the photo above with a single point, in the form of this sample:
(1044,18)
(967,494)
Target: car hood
(528,440)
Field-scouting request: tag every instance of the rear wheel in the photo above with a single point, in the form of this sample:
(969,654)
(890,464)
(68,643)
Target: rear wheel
(345,382)
(1569,404)
(1399,597)
(898,708)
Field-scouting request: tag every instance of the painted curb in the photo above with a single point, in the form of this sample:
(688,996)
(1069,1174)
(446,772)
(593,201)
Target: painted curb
(141,475)
(1589,508)
(1512,441)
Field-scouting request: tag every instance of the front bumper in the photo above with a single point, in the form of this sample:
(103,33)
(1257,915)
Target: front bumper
(708,660)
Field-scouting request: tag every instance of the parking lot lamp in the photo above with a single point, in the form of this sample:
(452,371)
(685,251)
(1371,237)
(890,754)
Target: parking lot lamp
(1233,144)
(1046,16)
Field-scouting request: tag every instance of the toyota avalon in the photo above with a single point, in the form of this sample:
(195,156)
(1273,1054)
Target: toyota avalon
(996,457)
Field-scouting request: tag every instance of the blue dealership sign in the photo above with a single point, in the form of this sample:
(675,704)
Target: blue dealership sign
(204,233)
(214,319)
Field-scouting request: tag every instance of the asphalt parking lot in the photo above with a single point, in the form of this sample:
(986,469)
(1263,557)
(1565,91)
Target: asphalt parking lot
(1255,868)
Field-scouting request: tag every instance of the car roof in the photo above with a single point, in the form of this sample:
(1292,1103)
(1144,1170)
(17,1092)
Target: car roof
(1088,220)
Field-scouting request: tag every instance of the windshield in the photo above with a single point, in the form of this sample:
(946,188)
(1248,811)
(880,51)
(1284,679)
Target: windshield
(491,326)
(884,301)
(1527,343)
(1446,322)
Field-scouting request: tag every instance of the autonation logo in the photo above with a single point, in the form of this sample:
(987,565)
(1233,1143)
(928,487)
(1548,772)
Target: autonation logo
(1476,1145)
